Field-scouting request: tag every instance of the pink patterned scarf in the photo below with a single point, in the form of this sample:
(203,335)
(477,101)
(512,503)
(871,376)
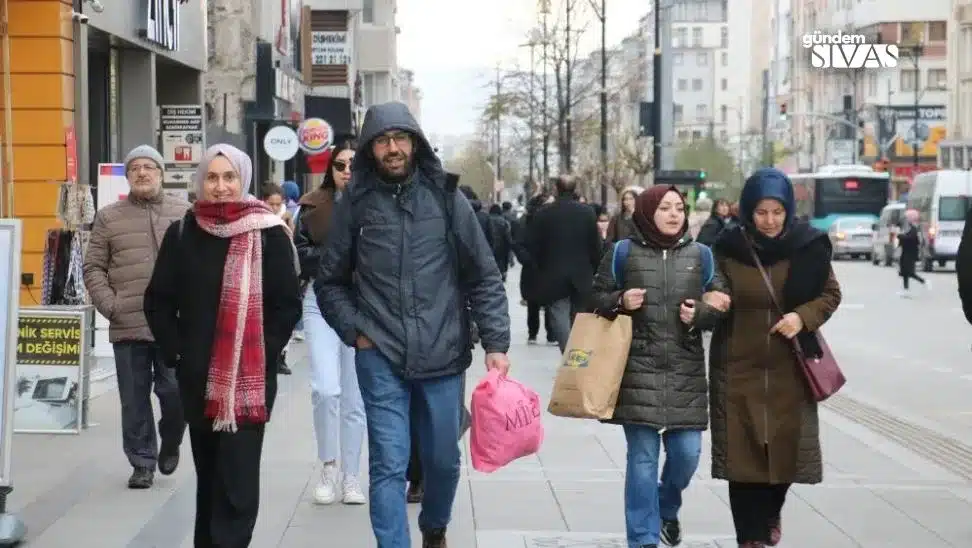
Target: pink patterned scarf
(236,388)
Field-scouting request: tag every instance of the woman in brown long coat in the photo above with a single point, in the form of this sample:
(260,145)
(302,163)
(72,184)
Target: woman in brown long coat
(764,422)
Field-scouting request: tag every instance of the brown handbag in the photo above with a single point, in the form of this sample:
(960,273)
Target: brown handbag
(823,375)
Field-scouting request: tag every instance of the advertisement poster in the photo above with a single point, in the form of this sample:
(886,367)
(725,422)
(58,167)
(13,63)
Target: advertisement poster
(898,128)
(49,352)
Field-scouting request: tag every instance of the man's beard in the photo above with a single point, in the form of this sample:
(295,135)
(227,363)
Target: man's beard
(395,178)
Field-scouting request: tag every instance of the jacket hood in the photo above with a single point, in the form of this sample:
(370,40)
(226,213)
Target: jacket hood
(387,117)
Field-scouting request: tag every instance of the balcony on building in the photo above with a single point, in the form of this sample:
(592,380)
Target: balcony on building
(335,5)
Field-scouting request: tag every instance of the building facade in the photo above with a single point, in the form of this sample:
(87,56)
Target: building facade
(956,152)
(859,116)
(87,79)
(700,68)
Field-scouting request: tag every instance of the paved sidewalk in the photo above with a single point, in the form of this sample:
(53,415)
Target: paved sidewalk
(71,489)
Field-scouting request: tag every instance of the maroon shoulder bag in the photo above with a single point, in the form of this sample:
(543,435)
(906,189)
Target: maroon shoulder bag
(823,375)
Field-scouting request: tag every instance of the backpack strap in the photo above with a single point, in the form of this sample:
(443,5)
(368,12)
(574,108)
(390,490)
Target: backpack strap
(618,259)
(708,266)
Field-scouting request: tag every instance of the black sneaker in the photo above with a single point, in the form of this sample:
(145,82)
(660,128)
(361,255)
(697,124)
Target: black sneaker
(532,341)
(434,538)
(671,532)
(141,478)
(168,459)
(282,367)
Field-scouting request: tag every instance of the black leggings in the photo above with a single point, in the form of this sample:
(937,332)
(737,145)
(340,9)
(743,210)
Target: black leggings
(755,508)
(911,276)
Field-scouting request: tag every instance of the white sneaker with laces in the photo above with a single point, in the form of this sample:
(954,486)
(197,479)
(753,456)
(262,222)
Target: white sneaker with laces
(326,490)
(352,491)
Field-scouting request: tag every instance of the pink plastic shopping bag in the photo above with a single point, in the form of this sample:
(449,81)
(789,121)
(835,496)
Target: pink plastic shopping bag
(505,422)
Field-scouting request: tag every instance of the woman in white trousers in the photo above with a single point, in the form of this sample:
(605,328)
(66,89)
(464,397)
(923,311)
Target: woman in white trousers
(339,416)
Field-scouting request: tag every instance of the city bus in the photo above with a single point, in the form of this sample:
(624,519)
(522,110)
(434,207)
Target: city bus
(833,192)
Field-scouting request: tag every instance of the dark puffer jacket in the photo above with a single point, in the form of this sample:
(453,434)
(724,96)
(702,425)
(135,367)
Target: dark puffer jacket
(664,384)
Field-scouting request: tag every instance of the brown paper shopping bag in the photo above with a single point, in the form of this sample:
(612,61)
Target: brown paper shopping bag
(590,371)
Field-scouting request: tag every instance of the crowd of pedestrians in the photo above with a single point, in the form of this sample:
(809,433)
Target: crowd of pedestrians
(396,272)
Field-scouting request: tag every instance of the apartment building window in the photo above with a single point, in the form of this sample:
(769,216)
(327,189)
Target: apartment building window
(936,79)
(696,84)
(697,37)
(909,80)
(702,59)
(678,113)
(696,135)
(723,113)
(937,31)
(725,37)
(681,37)
(368,11)
(725,59)
(701,111)
(723,135)
(725,84)
(677,59)
(911,33)
(369,90)
(683,134)
(871,84)
(682,84)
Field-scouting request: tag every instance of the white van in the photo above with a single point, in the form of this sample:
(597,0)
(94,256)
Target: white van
(942,199)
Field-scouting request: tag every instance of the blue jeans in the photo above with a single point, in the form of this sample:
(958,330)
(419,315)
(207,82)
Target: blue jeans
(646,502)
(434,403)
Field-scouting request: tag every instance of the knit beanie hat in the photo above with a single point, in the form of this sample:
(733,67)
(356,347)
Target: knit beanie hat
(147,152)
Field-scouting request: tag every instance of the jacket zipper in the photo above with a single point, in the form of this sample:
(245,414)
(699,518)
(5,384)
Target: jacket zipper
(406,307)
(766,384)
(665,375)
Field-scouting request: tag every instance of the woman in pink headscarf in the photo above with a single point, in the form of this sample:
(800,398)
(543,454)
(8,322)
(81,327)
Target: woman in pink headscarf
(910,240)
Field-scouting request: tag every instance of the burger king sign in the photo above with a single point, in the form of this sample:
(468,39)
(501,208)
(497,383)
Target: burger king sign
(314,136)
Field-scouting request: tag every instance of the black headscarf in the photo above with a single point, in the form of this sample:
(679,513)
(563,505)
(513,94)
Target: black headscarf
(808,249)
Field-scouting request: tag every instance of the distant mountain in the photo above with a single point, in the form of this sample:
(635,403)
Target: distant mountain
(452,100)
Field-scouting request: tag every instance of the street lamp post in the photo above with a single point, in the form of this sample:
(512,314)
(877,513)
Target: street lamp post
(656,111)
(544,12)
(916,52)
(532,44)
(602,17)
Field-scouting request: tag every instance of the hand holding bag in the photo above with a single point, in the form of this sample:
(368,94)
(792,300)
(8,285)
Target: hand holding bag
(823,375)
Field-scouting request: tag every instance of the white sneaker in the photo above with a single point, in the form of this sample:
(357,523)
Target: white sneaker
(352,491)
(298,335)
(326,490)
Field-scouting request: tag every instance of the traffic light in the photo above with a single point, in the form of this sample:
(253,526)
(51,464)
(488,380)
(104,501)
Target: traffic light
(702,175)
(783,111)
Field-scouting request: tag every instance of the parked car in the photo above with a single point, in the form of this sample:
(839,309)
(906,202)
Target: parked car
(852,237)
(884,246)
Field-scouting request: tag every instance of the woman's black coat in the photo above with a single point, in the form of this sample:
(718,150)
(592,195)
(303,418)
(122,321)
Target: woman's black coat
(182,301)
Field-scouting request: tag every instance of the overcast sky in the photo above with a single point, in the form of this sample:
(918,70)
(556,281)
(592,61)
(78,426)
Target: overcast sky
(454,45)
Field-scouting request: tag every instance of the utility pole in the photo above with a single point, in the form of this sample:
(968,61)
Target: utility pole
(568,68)
(604,106)
(533,144)
(917,51)
(499,133)
(544,12)
(656,111)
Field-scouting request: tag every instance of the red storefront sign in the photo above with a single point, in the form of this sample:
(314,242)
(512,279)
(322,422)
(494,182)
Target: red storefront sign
(909,171)
(71,154)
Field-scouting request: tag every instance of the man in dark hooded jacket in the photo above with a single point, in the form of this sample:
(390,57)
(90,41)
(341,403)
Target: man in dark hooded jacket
(389,287)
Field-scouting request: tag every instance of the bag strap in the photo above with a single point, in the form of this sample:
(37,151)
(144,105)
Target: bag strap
(765,276)
(708,265)
(619,258)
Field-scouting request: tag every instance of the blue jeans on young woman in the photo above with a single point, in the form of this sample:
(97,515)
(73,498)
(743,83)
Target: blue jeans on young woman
(434,405)
(646,500)
(339,417)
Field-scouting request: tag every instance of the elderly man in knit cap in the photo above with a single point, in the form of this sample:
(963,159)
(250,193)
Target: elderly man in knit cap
(117,267)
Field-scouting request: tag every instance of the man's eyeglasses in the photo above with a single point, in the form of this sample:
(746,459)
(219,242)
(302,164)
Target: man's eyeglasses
(401,138)
(143,167)
(341,165)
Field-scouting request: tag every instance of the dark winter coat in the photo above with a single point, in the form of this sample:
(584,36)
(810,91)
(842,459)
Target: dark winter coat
(664,384)
(396,271)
